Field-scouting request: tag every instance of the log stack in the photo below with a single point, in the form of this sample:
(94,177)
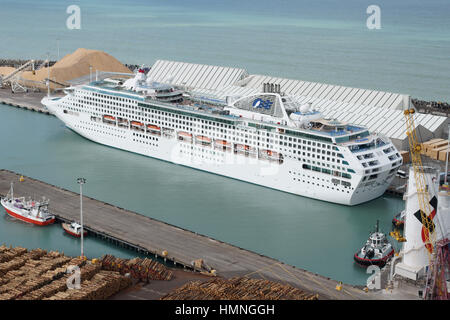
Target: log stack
(37,274)
(7,254)
(141,269)
(102,286)
(238,288)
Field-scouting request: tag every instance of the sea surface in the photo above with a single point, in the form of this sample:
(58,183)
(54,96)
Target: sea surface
(322,40)
(310,234)
(318,40)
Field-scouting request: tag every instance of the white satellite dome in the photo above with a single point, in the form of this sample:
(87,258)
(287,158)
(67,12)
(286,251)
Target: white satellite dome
(305,108)
(303,117)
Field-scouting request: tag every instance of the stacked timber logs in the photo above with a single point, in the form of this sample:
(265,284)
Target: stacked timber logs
(31,273)
(7,254)
(37,275)
(102,286)
(141,269)
(238,289)
(59,283)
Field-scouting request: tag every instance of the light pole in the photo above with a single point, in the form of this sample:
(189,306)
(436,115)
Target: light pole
(81,181)
(48,74)
(446,158)
(57,45)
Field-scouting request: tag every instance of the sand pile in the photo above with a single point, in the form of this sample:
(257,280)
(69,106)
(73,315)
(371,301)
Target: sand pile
(75,65)
(6,70)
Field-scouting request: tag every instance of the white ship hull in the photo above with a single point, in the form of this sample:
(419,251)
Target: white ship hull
(287,176)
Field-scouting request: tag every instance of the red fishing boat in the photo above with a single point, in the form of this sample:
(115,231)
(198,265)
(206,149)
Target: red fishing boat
(31,211)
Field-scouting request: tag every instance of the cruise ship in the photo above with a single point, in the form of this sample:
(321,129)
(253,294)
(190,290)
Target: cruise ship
(268,139)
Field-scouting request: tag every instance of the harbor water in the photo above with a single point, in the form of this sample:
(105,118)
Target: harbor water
(325,41)
(310,234)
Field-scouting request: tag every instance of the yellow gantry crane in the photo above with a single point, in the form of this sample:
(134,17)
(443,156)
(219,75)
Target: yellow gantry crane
(428,229)
(422,188)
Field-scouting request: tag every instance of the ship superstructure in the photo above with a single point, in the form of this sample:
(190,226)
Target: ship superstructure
(267,139)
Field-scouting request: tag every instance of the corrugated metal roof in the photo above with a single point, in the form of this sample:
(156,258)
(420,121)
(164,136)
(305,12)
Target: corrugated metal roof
(195,75)
(332,92)
(378,110)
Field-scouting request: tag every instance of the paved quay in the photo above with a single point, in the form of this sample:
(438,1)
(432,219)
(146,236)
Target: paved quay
(30,100)
(182,246)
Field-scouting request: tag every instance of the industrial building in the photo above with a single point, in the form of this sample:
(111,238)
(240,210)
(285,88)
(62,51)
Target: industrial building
(380,111)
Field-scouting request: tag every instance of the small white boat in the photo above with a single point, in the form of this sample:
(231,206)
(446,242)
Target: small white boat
(74,229)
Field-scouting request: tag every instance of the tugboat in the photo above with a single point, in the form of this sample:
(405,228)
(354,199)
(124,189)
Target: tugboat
(35,212)
(74,229)
(377,250)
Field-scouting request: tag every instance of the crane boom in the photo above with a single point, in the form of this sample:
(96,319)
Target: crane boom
(422,188)
(423,196)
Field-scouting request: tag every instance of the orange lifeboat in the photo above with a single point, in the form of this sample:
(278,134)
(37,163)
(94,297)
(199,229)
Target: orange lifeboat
(203,139)
(153,127)
(137,123)
(111,118)
(269,154)
(222,142)
(185,136)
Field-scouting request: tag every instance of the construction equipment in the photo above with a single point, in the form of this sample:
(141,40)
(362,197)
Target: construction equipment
(426,213)
(419,177)
(13,79)
(64,85)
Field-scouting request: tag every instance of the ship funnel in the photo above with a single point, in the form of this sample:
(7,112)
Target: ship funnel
(271,88)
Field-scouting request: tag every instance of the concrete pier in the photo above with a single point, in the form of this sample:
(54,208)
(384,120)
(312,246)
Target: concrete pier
(152,237)
(30,100)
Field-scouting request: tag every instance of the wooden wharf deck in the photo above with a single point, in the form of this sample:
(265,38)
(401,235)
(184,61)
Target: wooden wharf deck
(152,237)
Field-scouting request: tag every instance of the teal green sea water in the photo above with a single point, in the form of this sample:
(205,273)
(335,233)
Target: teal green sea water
(323,40)
(318,40)
(314,235)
